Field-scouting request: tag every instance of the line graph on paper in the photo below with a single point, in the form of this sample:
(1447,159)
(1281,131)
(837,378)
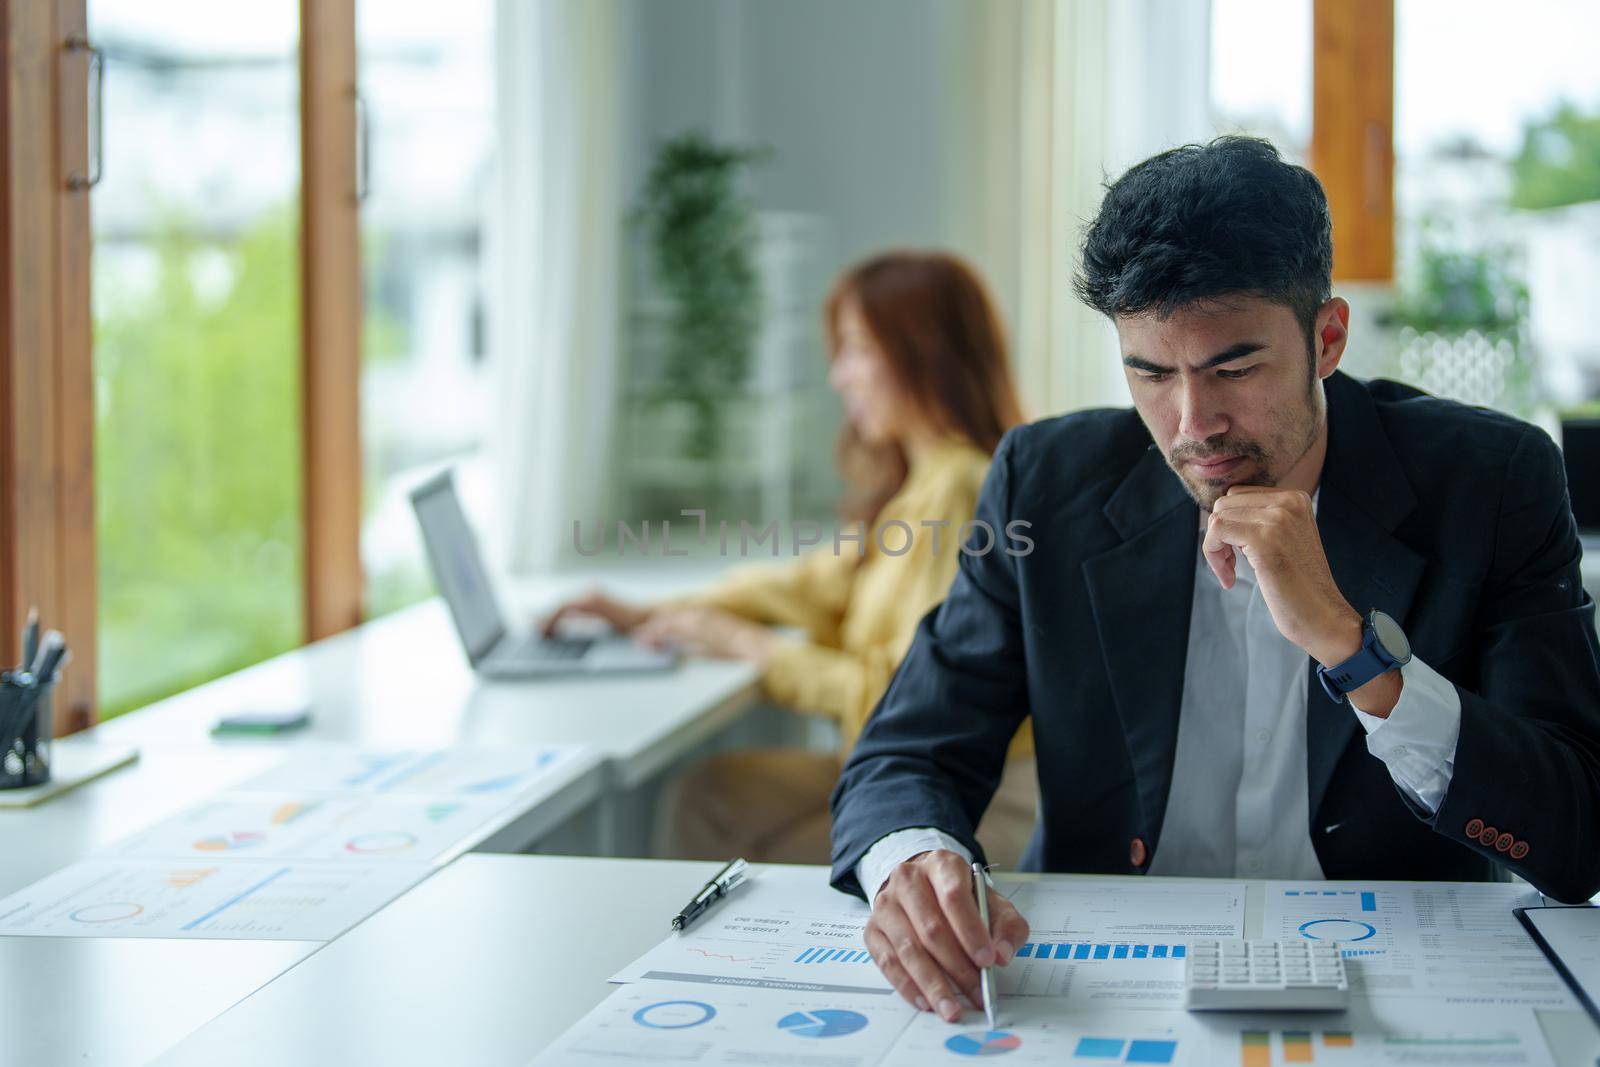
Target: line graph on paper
(720,955)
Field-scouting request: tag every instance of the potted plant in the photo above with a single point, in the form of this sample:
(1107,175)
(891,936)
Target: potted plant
(701,234)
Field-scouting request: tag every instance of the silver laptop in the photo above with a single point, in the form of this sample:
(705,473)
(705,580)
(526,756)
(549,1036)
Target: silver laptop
(494,650)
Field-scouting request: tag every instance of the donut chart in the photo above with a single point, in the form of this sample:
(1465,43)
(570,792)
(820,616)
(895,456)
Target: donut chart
(674,1014)
(1337,930)
(109,912)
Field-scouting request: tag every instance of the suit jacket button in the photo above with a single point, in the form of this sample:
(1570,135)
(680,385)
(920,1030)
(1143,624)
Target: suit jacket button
(1474,827)
(1488,835)
(1519,850)
(1137,852)
(1503,842)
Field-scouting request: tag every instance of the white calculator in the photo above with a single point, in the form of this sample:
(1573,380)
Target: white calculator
(1287,975)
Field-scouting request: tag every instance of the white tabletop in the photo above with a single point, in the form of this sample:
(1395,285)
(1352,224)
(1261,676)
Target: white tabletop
(403,681)
(486,962)
(117,1002)
(399,681)
(494,956)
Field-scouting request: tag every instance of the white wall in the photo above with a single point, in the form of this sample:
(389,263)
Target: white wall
(855,100)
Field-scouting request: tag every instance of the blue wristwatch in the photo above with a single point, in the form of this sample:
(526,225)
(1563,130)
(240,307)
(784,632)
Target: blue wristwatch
(1383,648)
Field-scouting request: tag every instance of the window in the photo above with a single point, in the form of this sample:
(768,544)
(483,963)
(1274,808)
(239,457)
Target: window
(1497,202)
(196,344)
(427,109)
(1261,71)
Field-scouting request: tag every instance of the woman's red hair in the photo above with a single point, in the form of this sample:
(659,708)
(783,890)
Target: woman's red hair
(934,323)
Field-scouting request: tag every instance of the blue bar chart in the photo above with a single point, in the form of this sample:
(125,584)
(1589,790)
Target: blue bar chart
(834,955)
(1090,951)
(1369,899)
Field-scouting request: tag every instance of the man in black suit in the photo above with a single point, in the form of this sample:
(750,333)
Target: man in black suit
(1276,622)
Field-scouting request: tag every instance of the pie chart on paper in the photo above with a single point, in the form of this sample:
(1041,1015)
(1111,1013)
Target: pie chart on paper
(228,842)
(984,1043)
(822,1022)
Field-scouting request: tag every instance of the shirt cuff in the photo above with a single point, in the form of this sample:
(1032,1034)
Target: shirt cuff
(1417,742)
(891,850)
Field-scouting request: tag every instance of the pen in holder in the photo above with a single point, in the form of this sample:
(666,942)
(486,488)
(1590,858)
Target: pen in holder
(26,727)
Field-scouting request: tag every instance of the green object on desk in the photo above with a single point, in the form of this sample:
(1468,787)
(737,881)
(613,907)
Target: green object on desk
(263,722)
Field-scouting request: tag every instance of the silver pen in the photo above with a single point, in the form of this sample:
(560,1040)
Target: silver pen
(980,887)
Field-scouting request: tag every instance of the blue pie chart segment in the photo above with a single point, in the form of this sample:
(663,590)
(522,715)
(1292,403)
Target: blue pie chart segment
(822,1022)
(984,1043)
(1337,930)
(674,1014)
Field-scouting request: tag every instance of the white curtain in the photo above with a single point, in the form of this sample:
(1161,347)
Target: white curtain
(553,305)
(1077,91)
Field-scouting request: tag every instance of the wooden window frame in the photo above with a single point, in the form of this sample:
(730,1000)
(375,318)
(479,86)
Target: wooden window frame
(330,319)
(47,556)
(1352,132)
(47,535)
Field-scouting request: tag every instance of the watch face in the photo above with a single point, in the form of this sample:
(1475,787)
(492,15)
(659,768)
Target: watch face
(1391,637)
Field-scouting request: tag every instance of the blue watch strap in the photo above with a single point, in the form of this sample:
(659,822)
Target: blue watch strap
(1354,672)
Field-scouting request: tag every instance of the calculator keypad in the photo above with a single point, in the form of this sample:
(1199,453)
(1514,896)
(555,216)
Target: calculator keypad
(1264,975)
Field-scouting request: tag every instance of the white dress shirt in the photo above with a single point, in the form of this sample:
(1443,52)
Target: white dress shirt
(1237,805)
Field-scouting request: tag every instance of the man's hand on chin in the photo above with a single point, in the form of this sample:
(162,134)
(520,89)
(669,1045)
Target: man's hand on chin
(1276,529)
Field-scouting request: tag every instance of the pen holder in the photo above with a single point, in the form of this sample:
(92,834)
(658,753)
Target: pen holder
(25,736)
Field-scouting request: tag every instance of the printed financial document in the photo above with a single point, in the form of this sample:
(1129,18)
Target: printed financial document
(478,772)
(288,901)
(1453,942)
(678,1022)
(304,826)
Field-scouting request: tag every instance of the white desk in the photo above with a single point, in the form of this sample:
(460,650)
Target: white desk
(402,681)
(434,979)
(491,958)
(117,1002)
(399,681)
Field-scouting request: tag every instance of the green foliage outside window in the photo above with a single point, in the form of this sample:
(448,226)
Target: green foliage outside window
(1454,290)
(1559,162)
(197,460)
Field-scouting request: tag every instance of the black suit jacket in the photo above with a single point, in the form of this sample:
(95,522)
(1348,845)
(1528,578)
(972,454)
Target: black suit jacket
(1454,520)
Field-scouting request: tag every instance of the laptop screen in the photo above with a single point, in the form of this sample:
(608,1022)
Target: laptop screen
(458,569)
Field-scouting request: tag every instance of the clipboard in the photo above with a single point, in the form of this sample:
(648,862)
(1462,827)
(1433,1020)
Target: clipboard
(1578,964)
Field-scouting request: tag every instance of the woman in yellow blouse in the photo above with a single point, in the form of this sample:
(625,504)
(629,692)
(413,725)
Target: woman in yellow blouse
(918,358)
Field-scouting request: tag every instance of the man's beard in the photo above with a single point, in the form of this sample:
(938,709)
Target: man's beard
(1264,465)
(1256,470)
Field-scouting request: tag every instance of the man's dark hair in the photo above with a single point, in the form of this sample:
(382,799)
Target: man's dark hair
(1206,221)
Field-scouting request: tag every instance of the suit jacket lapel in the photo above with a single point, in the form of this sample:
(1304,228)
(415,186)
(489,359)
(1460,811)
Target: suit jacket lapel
(1364,497)
(1141,593)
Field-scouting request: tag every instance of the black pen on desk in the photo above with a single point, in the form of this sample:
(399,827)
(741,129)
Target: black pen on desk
(721,885)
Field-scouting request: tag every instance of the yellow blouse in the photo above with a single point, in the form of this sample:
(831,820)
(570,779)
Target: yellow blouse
(860,611)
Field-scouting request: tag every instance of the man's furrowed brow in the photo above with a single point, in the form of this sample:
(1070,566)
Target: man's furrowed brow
(1227,355)
(1140,363)
(1233,352)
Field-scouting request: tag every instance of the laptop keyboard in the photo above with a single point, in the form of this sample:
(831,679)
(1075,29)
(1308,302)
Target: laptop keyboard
(539,649)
